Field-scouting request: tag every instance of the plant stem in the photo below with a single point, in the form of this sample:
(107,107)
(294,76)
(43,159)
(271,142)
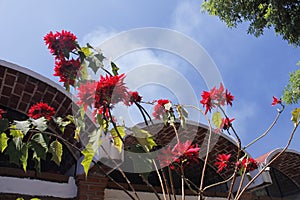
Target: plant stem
(242,179)
(122,173)
(166,183)
(171,182)
(200,195)
(150,186)
(219,183)
(239,146)
(267,131)
(160,179)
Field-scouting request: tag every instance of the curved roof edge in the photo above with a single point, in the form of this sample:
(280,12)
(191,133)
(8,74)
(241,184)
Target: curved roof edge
(36,75)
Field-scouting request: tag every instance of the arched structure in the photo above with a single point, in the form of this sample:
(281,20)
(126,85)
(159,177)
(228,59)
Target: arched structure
(284,173)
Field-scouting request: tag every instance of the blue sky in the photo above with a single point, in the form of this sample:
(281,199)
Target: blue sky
(254,69)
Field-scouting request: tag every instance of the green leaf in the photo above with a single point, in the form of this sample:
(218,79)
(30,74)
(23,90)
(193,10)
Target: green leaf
(115,68)
(24,156)
(88,155)
(144,159)
(94,138)
(3,142)
(13,153)
(17,137)
(93,64)
(62,124)
(86,51)
(100,57)
(24,126)
(117,140)
(56,149)
(217,119)
(3,125)
(83,72)
(37,162)
(295,116)
(39,146)
(144,138)
(40,123)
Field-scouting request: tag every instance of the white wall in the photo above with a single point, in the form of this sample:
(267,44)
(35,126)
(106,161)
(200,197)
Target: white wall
(34,187)
(111,194)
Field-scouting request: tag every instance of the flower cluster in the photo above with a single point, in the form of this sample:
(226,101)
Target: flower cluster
(67,70)
(61,44)
(182,154)
(248,164)
(41,110)
(86,94)
(216,96)
(105,93)
(159,108)
(110,90)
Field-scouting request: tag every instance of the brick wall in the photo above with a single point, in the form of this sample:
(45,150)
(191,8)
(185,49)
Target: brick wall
(91,187)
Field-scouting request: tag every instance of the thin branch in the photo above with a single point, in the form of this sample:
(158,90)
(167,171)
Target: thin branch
(268,164)
(172,182)
(122,173)
(239,146)
(160,179)
(242,179)
(218,183)
(150,186)
(268,130)
(166,183)
(207,150)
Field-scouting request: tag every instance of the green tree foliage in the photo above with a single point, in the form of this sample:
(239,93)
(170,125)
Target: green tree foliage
(282,15)
(291,93)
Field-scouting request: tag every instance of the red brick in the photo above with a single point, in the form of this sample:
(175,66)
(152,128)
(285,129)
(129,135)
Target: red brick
(6,91)
(21,78)
(10,80)
(18,89)
(29,87)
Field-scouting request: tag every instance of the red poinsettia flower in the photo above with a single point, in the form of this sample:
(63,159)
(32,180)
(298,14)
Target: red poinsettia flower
(186,153)
(249,164)
(110,90)
(41,110)
(216,96)
(159,108)
(226,123)
(276,101)
(61,43)
(223,160)
(133,97)
(228,98)
(207,101)
(1,113)
(67,70)
(166,157)
(87,93)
